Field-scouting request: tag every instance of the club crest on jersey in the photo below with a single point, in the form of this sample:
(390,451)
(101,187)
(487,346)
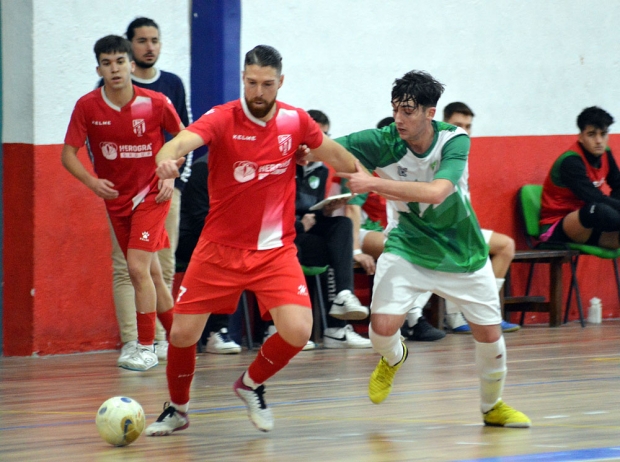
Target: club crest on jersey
(286,143)
(402,171)
(109,150)
(244,171)
(139,126)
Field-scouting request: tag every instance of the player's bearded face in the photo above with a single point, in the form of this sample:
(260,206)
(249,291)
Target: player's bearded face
(259,107)
(261,84)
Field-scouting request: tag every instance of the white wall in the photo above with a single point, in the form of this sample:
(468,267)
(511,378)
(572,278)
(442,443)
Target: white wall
(48,59)
(526,67)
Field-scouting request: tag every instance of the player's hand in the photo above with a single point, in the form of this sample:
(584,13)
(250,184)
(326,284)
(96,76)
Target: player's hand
(166,189)
(358,182)
(308,220)
(366,262)
(332,206)
(169,169)
(303,156)
(104,189)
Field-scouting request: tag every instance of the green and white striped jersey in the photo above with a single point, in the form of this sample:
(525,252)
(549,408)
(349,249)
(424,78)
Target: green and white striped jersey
(443,237)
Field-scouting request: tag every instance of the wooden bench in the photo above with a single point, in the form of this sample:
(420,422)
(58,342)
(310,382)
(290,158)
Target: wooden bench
(536,303)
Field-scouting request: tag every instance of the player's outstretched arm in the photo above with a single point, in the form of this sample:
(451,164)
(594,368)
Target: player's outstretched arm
(335,155)
(170,156)
(433,192)
(103,188)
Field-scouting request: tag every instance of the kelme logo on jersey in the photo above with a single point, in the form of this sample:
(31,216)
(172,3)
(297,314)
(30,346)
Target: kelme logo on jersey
(109,150)
(285,142)
(139,127)
(402,171)
(244,171)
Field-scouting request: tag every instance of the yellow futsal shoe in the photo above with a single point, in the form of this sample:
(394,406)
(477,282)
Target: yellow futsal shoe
(502,415)
(380,384)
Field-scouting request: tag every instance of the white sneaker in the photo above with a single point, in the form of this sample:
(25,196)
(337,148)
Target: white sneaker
(347,306)
(171,420)
(127,352)
(219,343)
(310,345)
(258,411)
(161,349)
(344,337)
(142,359)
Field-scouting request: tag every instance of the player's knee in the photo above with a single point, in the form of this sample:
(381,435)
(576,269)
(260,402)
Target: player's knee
(600,217)
(509,248)
(386,325)
(181,338)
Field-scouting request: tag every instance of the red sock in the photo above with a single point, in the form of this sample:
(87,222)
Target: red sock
(180,372)
(273,356)
(166,321)
(146,328)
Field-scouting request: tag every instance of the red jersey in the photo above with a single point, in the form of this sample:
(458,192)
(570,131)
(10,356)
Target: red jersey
(122,142)
(252,173)
(375,208)
(558,201)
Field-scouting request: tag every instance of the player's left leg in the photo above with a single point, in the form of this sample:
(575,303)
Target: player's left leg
(186,330)
(276,278)
(475,294)
(139,266)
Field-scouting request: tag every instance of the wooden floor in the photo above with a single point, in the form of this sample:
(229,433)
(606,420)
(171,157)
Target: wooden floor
(566,379)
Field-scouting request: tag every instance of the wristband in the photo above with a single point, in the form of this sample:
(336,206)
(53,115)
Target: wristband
(357,252)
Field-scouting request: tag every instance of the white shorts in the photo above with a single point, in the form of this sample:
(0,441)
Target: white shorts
(398,284)
(362,236)
(486,233)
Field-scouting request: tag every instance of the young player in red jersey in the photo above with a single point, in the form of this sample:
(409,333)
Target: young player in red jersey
(247,240)
(123,127)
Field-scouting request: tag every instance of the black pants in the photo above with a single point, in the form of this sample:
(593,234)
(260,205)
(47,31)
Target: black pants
(329,242)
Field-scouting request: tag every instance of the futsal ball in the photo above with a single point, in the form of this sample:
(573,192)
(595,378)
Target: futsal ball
(120,420)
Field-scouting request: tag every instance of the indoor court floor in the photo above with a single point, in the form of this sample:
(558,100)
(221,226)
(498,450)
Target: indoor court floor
(566,379)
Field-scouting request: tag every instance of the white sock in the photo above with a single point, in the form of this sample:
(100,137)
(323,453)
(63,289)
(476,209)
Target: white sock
(413,315)
(248,382)
(500,283)
(390,347)
(181,407)
(491,367)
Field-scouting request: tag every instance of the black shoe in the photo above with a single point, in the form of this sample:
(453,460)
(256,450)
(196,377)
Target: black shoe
(424,332)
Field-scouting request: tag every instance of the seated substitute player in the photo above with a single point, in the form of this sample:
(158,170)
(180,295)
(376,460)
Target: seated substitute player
(247,240)
(501,246)
(323,239)
(123,127)
(574,207)
(422,166)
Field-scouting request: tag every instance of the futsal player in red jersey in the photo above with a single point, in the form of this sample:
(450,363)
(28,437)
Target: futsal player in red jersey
(122,126)
(247,240)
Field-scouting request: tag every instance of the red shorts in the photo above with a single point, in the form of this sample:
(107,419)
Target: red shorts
(144,229)
(218,274)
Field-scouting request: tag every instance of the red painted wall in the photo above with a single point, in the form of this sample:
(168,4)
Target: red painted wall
(56,241)
(498,167)
(57,288)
